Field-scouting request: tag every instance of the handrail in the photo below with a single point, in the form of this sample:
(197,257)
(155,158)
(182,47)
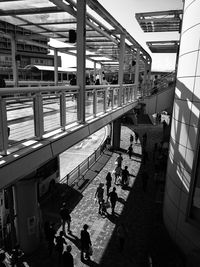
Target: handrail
(42,116)
(74,177)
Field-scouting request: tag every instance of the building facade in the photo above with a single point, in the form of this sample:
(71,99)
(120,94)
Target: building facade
(182,191)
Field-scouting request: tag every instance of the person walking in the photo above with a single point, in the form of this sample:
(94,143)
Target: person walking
(130,151)
(108,182)
(50,233)
(136,137)
(144,140)
(85,243)
(131,139)
(125,176)
(65,217)
(121,235)
(119,160)
(117,172)
(68,260)
(99,195)
(60,241)
(113,199)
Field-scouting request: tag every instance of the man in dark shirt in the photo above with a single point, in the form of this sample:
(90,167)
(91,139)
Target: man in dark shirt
(65,216)
(68,260)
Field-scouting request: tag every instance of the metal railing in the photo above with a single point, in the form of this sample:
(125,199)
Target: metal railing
(29,114)
(77,176)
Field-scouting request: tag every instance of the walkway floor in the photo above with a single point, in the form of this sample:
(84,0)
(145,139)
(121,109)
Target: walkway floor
(138,210)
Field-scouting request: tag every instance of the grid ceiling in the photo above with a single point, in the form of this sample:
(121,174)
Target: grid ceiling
(54,19)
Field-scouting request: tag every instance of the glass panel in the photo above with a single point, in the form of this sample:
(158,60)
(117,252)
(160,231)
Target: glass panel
(51,112)
(100,97)
(71,108)
(20,119)
(89,103)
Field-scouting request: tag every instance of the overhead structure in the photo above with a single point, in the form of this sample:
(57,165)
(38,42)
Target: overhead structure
(57,19)
(163,46)
(160,21)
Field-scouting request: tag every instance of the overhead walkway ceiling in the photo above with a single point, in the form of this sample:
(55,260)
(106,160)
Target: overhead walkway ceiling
(161,21)
(163,46)
(55,18)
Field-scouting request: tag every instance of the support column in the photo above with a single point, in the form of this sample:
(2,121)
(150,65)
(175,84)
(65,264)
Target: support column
(121,67)
(81,10)
(116,134)
(55,66)
(145,77)
(14,62)
(28,215)
(137,69)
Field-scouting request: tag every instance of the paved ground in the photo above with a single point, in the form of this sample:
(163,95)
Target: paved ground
(146,237)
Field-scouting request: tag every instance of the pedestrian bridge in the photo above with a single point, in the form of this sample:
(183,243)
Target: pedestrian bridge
(43,121)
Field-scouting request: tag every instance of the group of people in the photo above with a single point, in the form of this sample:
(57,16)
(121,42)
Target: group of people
(59,244)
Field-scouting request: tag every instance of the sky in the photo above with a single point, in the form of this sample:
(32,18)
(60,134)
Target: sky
(124,12)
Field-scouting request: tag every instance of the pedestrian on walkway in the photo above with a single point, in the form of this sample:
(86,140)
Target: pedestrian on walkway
(131,139)
(68,260)
(136,137)
(125,176)
(99,195)
(113,199)
(121,235)
(85,243)
(16,256)
(117,171)
(60,241)
(130,151)
(65,217)
(50,232)
(144,140)
(119,160)
(108,182)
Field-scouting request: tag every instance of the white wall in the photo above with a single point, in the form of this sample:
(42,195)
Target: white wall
(184,130)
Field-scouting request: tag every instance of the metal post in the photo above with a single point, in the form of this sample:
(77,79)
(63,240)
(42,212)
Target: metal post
(137,66)
(38,116)
(105,100)
(81,36)
(55,66)
(3,128)
(14,62)
(121,68)
(62,110)
(94,103)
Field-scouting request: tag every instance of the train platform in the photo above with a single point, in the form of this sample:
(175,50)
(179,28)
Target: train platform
(146,240)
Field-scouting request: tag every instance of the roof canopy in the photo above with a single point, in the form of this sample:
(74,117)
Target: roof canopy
(163,46)
(55,18)
(160,21)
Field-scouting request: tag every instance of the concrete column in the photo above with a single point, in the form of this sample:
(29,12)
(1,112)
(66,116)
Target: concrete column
(81,10)
(28,215)
(116,133)
(55,66)
(121,67)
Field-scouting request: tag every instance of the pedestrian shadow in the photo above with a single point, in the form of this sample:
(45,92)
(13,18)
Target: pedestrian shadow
(74,239)
(89,263)
(112,217)
(122,150)
(121,200)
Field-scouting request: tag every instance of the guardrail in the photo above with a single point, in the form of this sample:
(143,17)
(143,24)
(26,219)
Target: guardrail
(29,114)
(77,175)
